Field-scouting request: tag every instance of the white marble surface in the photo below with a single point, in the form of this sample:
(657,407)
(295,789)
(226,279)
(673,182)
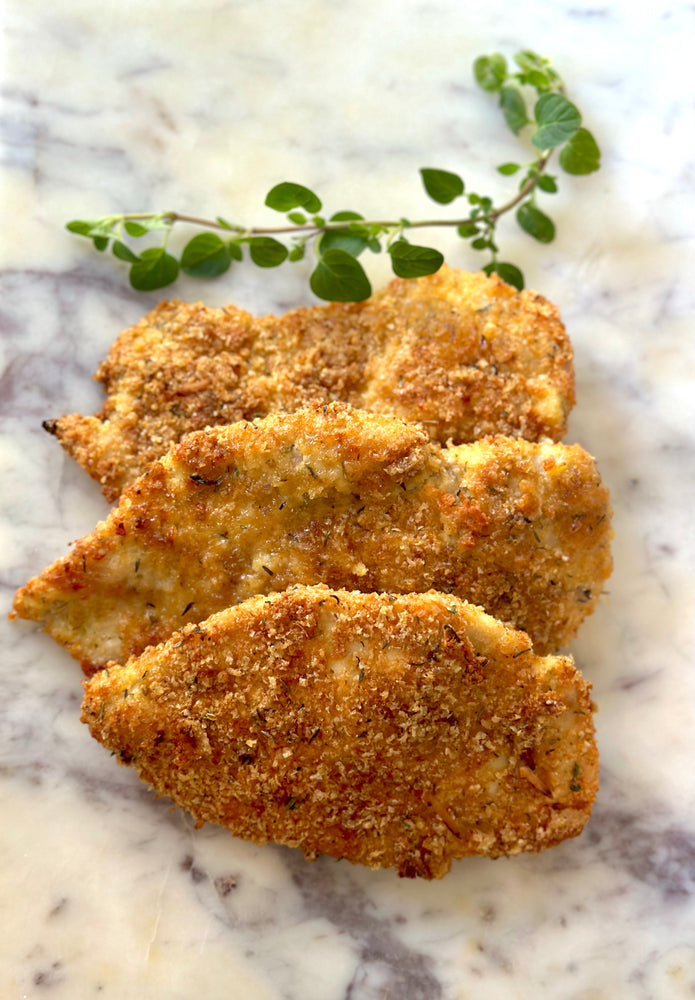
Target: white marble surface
(105,892)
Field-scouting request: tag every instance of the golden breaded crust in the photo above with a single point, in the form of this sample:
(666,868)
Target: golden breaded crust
(337,496)
(393,731)
(464,354)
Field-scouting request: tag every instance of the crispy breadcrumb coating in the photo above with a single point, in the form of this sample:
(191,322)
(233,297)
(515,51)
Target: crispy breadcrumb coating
(464,354)
(338,496)
(393,731)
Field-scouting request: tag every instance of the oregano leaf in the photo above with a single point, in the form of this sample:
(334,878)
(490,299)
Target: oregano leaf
(581,155)
(513,108)
(538,80)
(79,226)
(535,67)
(101,242)
(507,272)
(344,239)
(346,216)
(124,252)
(339,277)
(94,229)
(134,228)
(467,229)
(507,169)
(409,261)
(527,60)
(155,269)
(547,183)
(535,223)
(235,251)
(490,71)
(287,195)
(206,256)
(441,185)
(266,251)
(558,120)
(148,225)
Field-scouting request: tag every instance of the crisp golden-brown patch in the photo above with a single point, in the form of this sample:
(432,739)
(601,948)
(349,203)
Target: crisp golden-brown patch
(337,496)
(394,731)
(463,354)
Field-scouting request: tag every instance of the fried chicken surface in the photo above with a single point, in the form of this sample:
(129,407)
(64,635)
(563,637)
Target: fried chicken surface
(338,496)
(464,354)
(393,731)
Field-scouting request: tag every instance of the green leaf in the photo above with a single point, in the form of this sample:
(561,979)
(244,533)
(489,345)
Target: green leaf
(536,69)
(344,239)
(80,227)
(155,269)
(409,261)
(339,277)
(558,120)
(547,183)
(535,223)
(235,251)
(467,229)
(206,256)
(536,79)
(296,253)
(507,169)
(355,219)
(514,108)
(297,217)
(101,242)
(490,71)
(134,228)
(93,229)
(155,222)
(441,185)
(528,60)
(346,217)
(266,252)
(581,155)
(286,196)
(124,252)
(482,243)
(507,272)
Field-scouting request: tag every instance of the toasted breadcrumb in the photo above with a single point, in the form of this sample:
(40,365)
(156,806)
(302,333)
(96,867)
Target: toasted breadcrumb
(393,731)
(465,355)
(337,496)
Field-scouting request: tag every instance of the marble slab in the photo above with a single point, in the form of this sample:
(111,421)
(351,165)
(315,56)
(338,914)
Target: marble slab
(106,892)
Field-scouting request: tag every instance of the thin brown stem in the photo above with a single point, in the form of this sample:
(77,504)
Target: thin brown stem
(313,230)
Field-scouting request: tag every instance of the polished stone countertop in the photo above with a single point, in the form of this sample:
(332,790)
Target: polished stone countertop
(105,891)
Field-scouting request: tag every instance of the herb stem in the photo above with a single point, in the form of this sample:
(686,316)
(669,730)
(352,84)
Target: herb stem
(338,241)
(312,229)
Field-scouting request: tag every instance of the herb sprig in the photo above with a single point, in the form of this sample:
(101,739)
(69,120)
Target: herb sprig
(532,99)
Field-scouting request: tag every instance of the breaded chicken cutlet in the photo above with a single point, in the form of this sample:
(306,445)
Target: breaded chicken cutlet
(337,496)
(392,731)
(464,354)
